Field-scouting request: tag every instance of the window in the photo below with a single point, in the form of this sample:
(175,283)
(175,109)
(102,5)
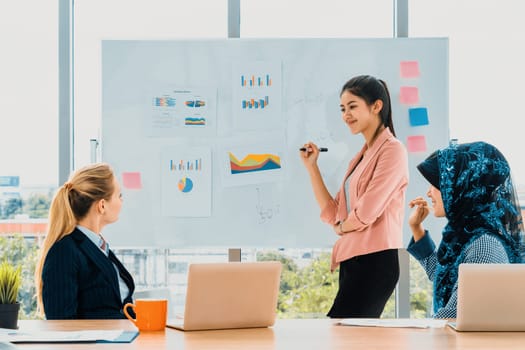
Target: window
(486,69)
(208,19)
(97,20)
(29,140)
(29,90)
(485,78)
(485,85)
(316,19)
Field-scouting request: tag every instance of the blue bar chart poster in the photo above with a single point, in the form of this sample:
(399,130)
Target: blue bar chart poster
(181,112)
(257,95)
(186,181)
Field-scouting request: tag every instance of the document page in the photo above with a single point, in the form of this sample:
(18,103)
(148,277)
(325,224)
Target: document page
(18,336)
(394,322)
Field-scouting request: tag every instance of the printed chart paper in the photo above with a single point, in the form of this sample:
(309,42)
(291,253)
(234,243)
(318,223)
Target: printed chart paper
(257,95)
(182,112)
(186,182)
(252,163)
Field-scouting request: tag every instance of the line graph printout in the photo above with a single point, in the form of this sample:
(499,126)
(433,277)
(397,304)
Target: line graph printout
(186,182)
(182,112)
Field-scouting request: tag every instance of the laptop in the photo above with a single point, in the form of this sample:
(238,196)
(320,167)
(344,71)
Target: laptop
(230,295)
(490,298)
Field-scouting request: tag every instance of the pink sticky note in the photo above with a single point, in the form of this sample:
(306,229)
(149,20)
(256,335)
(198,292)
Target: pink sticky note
(408,95)
(409,69)
(131,180)
(416,143)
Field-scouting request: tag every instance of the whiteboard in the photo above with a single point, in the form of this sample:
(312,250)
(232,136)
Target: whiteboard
(178,115)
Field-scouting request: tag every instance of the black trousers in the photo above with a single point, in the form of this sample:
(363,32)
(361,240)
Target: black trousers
(366,282)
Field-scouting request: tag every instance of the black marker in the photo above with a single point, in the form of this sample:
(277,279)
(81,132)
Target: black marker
(321,149)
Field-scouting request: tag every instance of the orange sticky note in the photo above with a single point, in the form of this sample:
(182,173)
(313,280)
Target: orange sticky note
(416,143)
(409,69)
(409,95)
(131,180)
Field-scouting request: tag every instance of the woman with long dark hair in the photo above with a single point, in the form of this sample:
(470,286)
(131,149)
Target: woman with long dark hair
(368,210)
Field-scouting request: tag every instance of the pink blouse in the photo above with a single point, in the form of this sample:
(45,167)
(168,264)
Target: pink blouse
(377,196)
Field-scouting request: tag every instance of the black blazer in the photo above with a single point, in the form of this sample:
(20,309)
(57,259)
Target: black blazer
(80,282)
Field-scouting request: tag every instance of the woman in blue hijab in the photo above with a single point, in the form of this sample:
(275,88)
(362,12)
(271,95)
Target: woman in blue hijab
(471,186)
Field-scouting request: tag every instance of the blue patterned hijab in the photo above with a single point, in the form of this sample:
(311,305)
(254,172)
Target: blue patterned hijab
(478,198)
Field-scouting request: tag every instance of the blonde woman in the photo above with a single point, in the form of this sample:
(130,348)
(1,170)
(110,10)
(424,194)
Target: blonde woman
(77,275)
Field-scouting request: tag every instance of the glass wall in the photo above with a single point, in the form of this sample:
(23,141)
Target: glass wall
(485,84)
(29,98)
(316,19)
(157,268)
(486,68)
(96,20)
(29,137)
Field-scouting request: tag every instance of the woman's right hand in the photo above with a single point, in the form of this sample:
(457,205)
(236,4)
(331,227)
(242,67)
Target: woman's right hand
(310,155)
(418,215)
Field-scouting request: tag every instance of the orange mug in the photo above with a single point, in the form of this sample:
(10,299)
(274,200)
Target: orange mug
(151,314)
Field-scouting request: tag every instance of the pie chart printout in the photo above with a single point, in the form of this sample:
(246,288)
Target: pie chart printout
(185,184)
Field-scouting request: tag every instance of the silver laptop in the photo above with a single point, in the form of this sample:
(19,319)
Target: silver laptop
(491,297)
(230,295)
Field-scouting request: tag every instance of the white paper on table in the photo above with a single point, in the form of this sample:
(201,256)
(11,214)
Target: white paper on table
(16,336)
(394,322)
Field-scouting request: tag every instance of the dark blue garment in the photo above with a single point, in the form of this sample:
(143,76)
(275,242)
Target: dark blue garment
(80,282)
(485,249)
(478,198)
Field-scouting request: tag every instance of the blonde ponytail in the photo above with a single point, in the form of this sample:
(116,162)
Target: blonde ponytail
(70,204)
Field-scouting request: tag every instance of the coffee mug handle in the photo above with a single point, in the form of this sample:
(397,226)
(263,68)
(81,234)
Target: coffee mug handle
(125,309)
